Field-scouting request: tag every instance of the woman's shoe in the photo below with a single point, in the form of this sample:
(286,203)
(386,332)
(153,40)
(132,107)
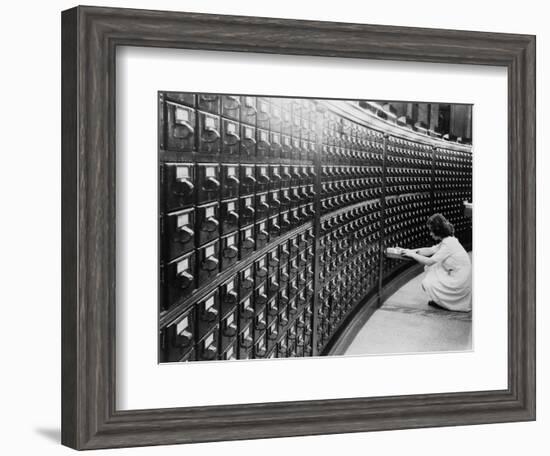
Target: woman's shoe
(436,305)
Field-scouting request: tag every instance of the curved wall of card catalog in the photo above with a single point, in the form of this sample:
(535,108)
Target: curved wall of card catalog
(274,213)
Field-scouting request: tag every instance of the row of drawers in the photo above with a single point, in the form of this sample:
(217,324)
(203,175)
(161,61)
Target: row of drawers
(297,343)
(416,198)
(464,166)
(410,153)
(341,200)
(446,174)
(286,116)
(230,340)
(191,130)
(356,262)
(407,162)
(191,230)
(355,218)
(407,217)
(453,185)
(346,237)
(255,319)
(408,237)
(329,187)
(196,226)
(186,184)
(397,189)
(371,153)
(348,132)
(195,269)
(283,115)
(409,172)
(406,144)
(262,127)
(260,305)
(329,172)
(446,155)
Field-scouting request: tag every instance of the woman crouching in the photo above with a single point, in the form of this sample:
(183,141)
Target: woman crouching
(448,280)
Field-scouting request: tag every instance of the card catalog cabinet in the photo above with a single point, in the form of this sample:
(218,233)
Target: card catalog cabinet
(274,213)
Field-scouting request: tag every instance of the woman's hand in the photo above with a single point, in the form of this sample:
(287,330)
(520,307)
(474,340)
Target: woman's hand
(408,253)
(426,261)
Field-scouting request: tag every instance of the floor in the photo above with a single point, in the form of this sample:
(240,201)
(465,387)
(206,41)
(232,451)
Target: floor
(406,324)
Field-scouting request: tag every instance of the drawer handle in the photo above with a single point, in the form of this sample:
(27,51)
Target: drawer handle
(183,129)
(232,181)
(263,207)
(212,135)
(209,98)
(184,279)
(250,140)
(248,243)
(247,314)
(265,142)
(211,224)
(184,234)
(212,184)
(260,325)
(210,264)
(235,138)
(247,284)
(230,298)
(246,342)
(183,186)
(251,109)
(184,338)
(232,218)
(209,315)
(263,179)
(233,104)
(249,212)
(273,262)
(230,330)
(209,353)
(230,252)
(274,229)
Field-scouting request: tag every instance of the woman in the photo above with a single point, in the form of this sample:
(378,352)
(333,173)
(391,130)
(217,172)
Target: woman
(448,280)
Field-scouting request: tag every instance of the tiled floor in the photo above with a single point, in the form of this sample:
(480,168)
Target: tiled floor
(406,324)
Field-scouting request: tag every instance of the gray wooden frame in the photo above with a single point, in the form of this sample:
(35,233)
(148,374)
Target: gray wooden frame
(90,36)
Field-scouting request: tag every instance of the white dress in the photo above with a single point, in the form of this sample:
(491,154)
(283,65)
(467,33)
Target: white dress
(448,282)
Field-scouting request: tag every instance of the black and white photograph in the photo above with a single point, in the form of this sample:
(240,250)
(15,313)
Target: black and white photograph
(299,227)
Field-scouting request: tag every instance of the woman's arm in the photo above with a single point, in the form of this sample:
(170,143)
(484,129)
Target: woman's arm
(426,251)
(425,260)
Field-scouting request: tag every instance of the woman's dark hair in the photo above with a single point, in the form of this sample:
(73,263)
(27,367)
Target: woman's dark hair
(440,226)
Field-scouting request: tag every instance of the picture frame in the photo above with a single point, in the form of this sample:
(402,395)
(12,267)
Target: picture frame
(90,36)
